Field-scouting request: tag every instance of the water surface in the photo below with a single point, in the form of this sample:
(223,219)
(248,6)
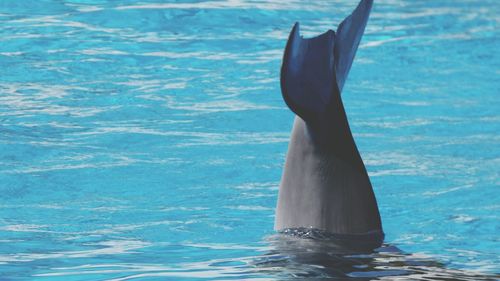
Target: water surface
(146,140)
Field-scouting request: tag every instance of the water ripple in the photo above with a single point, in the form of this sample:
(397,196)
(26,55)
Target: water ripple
(146,140)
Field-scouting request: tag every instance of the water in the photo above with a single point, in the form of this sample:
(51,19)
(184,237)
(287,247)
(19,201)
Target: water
(146,140)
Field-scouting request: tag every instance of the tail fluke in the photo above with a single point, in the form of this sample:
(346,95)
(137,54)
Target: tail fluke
(314,70)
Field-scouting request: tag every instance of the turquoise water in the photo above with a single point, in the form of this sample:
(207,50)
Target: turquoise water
(146,140)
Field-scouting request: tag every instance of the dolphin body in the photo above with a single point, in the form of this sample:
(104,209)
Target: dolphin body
(325,185)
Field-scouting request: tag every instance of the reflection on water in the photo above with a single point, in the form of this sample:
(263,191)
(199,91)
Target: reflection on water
(306,257)
(301,255)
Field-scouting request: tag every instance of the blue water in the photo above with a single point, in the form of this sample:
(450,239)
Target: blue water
(146,140)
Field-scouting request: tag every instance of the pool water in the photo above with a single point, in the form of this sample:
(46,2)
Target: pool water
(146,140)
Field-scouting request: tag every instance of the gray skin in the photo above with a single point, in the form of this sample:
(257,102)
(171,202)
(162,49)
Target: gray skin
(323,191)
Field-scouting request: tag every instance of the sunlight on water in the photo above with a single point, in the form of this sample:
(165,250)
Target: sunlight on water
(146,140)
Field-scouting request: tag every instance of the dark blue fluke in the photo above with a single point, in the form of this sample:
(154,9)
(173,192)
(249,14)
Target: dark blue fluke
(320,65)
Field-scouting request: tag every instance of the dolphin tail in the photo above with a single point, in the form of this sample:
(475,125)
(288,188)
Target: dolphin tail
(325,184)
